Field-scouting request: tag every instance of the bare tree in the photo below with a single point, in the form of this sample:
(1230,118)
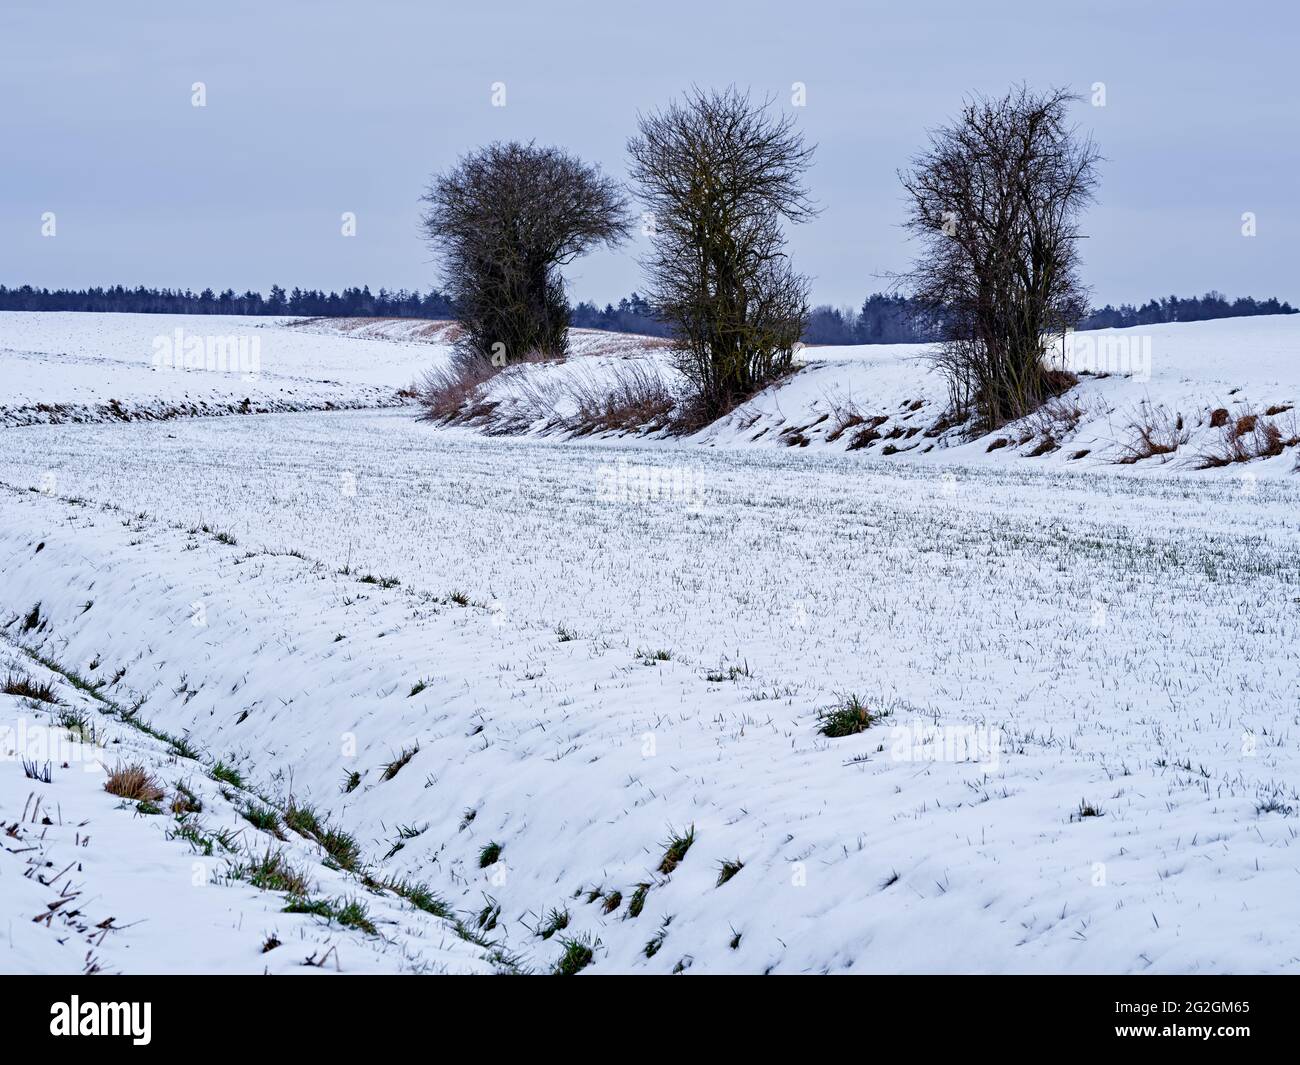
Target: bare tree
(719,173)
(995,201)
(503,222)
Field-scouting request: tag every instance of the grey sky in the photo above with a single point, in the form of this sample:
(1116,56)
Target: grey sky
(318,108)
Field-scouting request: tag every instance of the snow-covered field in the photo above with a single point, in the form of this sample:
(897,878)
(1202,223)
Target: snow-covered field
(1188,370)
(1196,390)
(89,883)
(576,651)
(69,367)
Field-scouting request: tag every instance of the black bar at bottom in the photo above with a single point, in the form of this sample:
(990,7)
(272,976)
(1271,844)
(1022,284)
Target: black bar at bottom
(328,1014)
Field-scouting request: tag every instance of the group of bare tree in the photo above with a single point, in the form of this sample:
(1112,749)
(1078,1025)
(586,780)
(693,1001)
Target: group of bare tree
(994,201)
(718,172)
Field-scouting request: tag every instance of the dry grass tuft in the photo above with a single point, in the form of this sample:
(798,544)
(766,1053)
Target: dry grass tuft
(1154,431)
(445,393)
(847,414)
(21,684)
(675,849)
(134,782)
(628,396)
(1054,423)
(1249,436)
(635,398)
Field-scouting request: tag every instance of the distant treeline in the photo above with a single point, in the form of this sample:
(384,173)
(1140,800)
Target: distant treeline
(898,320)
(1173,309)
(882,319)
(632,315)
(309,303)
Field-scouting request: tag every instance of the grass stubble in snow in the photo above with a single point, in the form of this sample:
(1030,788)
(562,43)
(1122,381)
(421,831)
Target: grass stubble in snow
(656,707)
(1131,645)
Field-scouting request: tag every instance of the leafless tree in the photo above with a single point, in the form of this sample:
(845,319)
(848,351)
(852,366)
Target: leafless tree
(503,221)
(719,172)
(995,201)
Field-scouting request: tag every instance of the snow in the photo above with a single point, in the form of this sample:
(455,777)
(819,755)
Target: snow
(100,367)
(1240,365)
(139,899)
(75,367)
(1078,634)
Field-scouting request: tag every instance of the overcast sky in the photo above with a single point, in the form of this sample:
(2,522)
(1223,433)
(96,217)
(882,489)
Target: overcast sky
(314,109)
